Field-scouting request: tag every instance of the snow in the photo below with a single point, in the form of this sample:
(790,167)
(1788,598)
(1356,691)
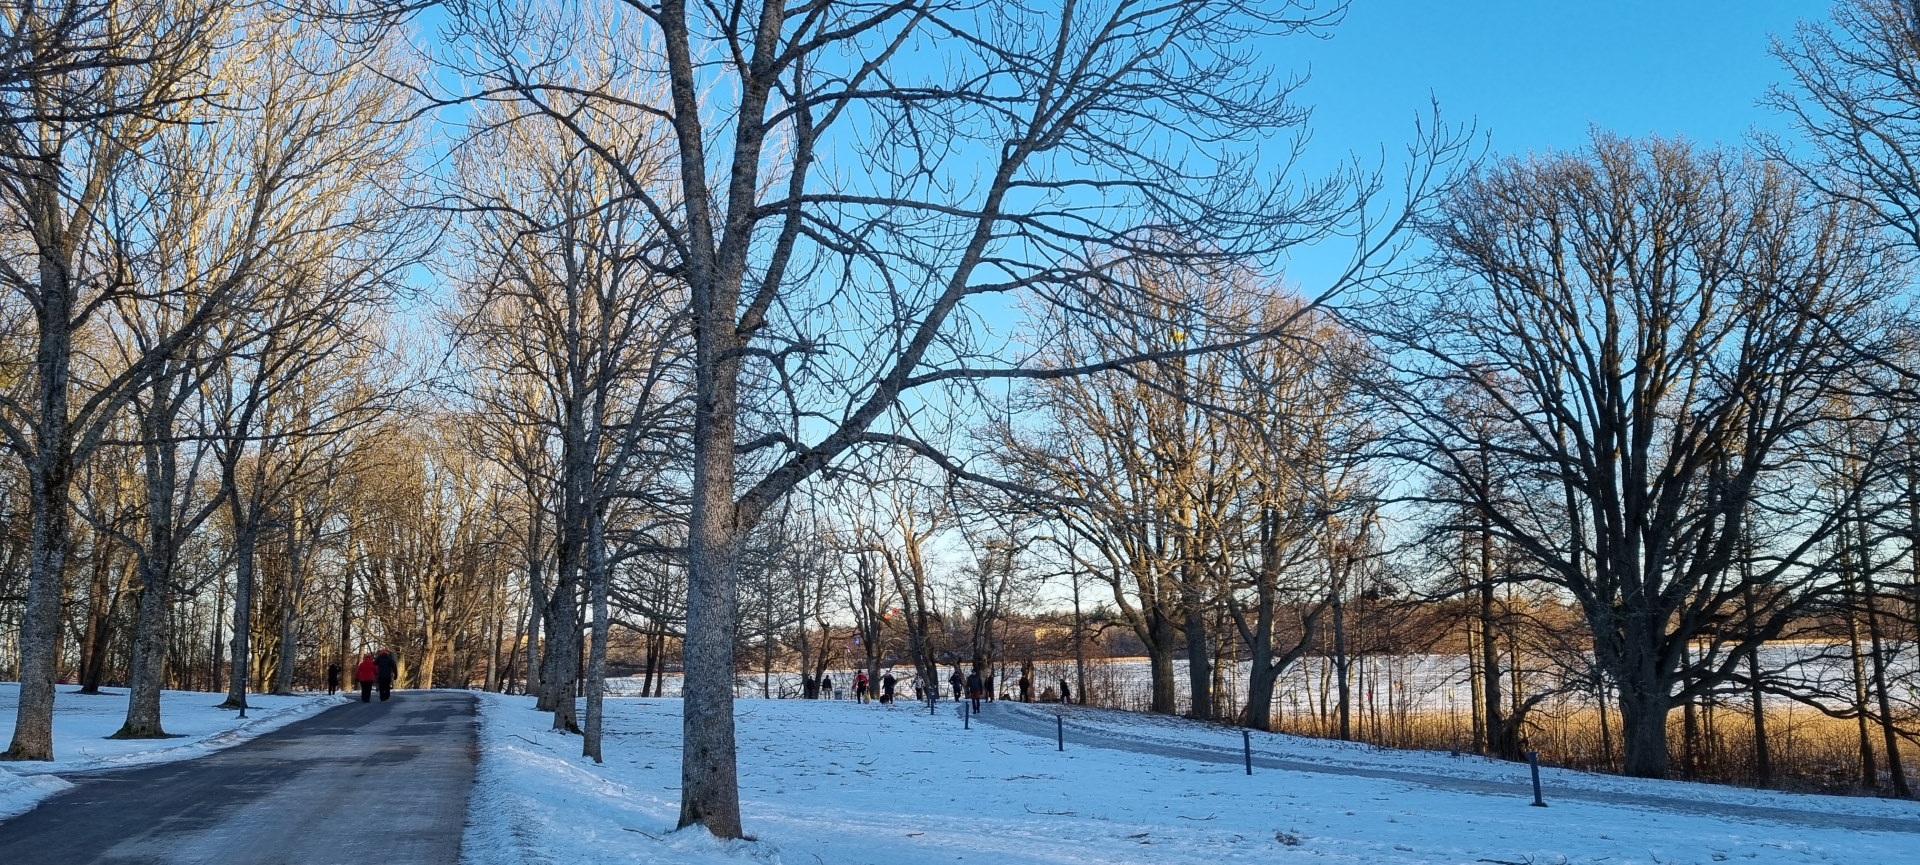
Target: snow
(1160,729)
(840,783)
(82,723)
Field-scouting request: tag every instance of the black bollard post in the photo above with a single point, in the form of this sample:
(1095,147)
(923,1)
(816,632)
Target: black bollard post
(1533,762)
(966,715)
(1059,733)
(1246,743)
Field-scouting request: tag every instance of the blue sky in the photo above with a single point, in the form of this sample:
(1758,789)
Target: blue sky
(1535,75)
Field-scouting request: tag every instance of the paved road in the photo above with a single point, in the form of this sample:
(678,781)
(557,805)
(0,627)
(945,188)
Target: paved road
(362,783)
(1040,723)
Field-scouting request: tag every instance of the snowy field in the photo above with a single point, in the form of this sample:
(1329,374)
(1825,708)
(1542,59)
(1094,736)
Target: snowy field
(81,725)
(838,783)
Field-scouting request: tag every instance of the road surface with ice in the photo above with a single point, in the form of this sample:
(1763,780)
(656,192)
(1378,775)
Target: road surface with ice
(377,782)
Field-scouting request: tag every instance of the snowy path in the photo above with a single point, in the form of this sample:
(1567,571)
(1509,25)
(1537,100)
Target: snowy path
(1040,722)
(379,782)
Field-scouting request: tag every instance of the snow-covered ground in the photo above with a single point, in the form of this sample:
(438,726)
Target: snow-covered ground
(1133,727)
(81,725)
(839,783)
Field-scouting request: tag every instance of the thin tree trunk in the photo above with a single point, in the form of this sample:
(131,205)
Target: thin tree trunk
(243,558)
(1199,671)
(1890,735)
(597,578)
(145,678)
(102,604)
(1869,776)
(1341,664)
(342,652)
(289,606)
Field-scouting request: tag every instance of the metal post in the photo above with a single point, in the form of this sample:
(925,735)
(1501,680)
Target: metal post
(1533,762)
(1060,733)
(1246,743)
(966,715)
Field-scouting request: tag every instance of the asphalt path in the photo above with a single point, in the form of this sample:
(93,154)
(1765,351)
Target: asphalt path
(361,783)
(1039,723)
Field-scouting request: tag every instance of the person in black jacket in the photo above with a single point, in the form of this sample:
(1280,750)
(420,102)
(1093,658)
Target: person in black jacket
(887,682)
(386,668)
(974,687)
(958,682)
(1066,694)
(333,678)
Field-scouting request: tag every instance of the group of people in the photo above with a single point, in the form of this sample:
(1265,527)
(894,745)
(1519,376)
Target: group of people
(977,687)
(862,692)
(376,670)
(971,686)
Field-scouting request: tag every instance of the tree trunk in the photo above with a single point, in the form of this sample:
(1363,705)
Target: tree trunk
(149,655)
(494,627)
(343,651)
(1643,729)
(40,623)
(50,476)
(561,665)
(1160,665)
(597,577)
(430,651)
(1199,670)
(709,780)
(1869,776)
(536,608)
(289,606)
(241,662)
(102,607)
(1890,735)
(1342,681)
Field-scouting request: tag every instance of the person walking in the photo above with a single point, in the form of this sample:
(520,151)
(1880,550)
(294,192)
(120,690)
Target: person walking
(919,692)
(988,683)
(957,681)
(388,668)
(974,686)
(364,676)
(826,687)
(1066,694)
(886,688)
(860,687)
(333,678)
(1026,689)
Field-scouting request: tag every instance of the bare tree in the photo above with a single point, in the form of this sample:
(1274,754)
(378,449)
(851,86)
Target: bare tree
(1651,326)
(58,167)
(1051,144)
(556,303)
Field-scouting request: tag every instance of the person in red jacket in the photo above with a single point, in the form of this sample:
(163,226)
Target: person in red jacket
(365,674)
